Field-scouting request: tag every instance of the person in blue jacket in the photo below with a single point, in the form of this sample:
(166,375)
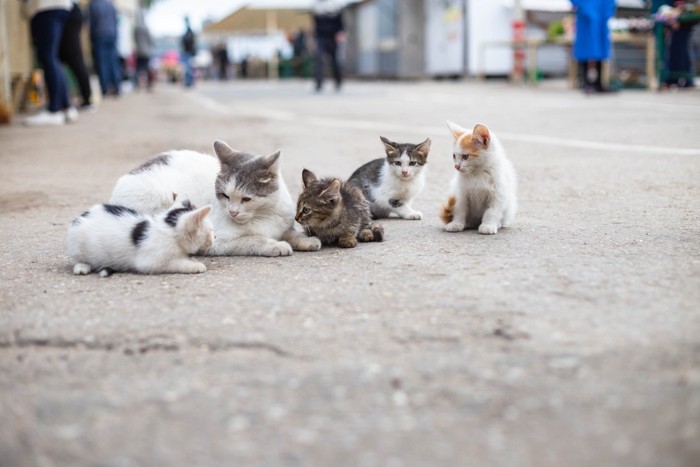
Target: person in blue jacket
(592,40)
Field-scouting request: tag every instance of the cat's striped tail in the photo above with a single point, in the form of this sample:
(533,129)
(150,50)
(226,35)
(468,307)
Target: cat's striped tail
(447,211)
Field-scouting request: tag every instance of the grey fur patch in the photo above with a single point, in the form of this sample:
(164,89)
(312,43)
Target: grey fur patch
(367,177)
(119,211)
(253,174)
(173,215)
(139,232)
(396,203)
(160,159)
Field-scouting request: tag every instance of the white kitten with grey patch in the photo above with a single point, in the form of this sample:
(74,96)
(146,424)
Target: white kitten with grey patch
(390,184)
(483,191)
(252,210)
(110,238)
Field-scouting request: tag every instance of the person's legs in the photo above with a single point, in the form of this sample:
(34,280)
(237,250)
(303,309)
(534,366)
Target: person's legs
(99,49)
(47,27)
(116,69)
(336,66)
(679,64)
(319,62)
(189,74)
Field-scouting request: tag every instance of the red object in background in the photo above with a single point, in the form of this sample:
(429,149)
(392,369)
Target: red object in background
(518,50)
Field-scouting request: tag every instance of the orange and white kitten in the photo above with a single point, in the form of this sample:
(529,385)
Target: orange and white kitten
(483,191)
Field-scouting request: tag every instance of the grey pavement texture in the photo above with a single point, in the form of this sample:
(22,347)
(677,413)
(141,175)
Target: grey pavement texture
(570,339)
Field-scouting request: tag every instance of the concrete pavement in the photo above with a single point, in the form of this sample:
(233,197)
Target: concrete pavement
(569,339)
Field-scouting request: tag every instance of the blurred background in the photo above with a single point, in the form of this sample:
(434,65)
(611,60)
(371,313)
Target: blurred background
(525,40)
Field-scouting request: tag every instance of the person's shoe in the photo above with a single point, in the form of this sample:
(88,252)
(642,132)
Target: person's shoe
(71,115)
(89,108)
(45,118)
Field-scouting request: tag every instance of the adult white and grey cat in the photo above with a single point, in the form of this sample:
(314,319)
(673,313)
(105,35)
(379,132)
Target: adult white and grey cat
(483,191)
(109,238)
(252,210)
(391,183)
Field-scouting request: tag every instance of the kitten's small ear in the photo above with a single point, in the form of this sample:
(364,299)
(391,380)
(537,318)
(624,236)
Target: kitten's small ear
(389,146)
(203,212)
(456,130)
(223,150)
(424,148)
(307,177)
(332,192)
(481,136)
(187,204)
(174,196)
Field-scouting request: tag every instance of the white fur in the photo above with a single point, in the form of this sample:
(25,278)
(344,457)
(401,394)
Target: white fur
(264,226)
(103,240)
(484,187)
(402,182)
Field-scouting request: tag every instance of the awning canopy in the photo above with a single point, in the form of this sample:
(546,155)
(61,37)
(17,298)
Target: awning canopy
(248,20)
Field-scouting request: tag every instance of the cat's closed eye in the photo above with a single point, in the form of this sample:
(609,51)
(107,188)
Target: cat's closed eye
(222,195)
(245,199)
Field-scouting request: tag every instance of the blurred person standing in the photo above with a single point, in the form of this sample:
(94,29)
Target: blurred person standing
(103,37)
(47,19)
(329,32)
(592,41)
(189,49)
(678,62)
(70,52)
(144,50)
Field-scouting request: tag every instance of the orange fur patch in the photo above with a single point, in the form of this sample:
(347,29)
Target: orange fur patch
(447,211)
(468,146)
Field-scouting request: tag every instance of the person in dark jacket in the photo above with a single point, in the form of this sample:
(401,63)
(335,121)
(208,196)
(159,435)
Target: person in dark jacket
(329,33)
(70,52)
(592,41)
(103,37)
(189,50)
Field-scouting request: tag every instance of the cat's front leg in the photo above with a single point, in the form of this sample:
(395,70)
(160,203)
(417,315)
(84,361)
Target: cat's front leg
(252,245)
(184,266)
(347,241)
(407,212)
(491,221)
(300,242)
(457,212)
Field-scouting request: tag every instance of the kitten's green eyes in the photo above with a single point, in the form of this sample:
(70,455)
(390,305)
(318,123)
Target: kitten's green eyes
(397,162)
(464,157)
(305,210)
(412,163)
(245,199)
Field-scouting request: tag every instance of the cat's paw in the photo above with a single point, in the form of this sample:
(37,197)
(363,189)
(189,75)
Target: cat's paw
(488,229)
(198,268)
(308,244)
(347,242)
(413,216)
(82,269)
(366,235)
(277,249)
(454,227)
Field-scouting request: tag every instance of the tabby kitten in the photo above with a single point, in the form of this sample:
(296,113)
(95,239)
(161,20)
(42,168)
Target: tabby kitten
(336,212)
(483,191)
(391,183)
(110,238)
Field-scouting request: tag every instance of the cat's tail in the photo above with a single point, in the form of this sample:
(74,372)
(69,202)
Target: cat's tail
(447,211)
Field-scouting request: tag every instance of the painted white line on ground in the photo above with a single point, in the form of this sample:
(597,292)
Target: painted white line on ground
(331,122)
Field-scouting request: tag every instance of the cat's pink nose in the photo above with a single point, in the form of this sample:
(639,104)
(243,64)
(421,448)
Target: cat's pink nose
(404,173)
(233,214)
(457,167)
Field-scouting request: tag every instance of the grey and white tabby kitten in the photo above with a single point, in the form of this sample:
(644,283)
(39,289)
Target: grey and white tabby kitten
(391,183)
(336,212)
(110,238)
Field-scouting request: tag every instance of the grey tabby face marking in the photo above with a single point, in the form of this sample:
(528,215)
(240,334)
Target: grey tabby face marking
(160,159)
(174,214)
(417,153)
(253,174)
(119,210)
(139,232)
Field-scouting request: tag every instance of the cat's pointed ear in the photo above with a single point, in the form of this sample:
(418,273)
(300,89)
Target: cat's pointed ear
(424,148)
(456,130)
(331,193)
(307,177)
(273,161)
(481,136)
(389,146)
(203,212)
(223,150)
